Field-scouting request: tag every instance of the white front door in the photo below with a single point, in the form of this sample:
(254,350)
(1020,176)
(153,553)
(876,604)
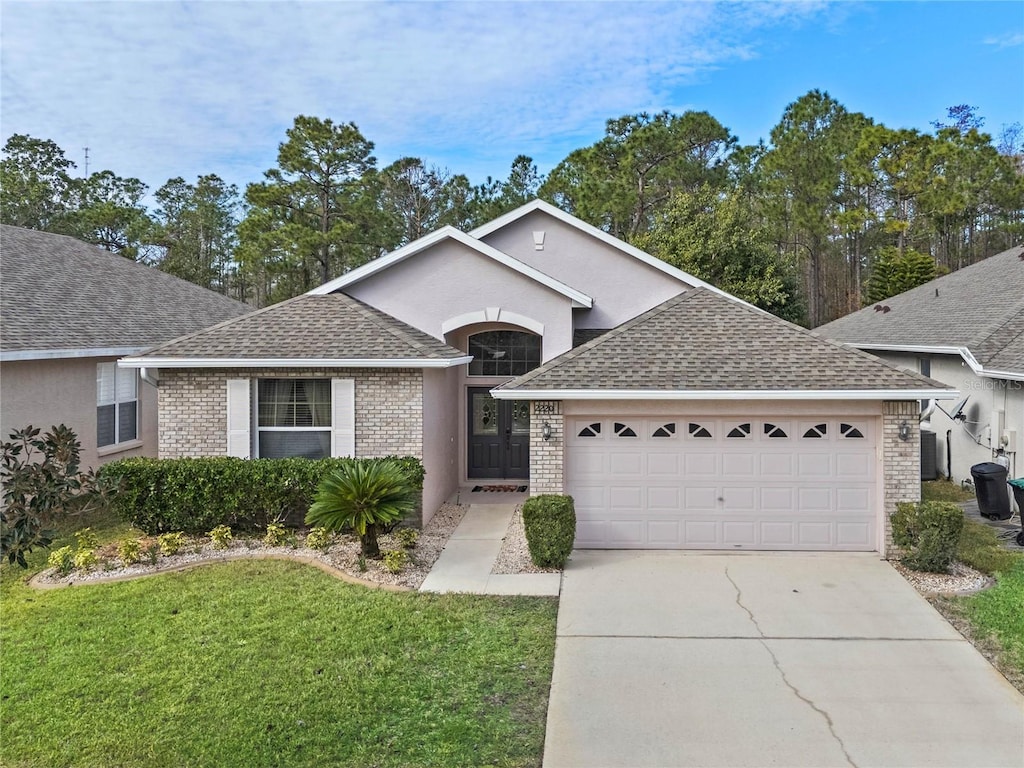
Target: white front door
(758,482)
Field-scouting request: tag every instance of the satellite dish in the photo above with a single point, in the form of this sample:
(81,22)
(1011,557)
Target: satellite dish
(956,413)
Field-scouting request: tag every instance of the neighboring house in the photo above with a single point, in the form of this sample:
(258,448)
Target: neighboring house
(965,329)
(698,422)
(68,311)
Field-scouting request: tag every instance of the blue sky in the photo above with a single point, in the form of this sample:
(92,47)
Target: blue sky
(160,89)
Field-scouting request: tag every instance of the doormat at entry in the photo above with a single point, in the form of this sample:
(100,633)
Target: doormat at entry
(500,488)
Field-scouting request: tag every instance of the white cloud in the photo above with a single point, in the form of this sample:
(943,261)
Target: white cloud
(162,89)
(1007,40)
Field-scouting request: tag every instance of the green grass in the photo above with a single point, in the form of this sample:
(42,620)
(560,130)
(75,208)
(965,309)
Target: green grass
(943,490)
(993,621)
(269,663)
(1000,612)
(980,548)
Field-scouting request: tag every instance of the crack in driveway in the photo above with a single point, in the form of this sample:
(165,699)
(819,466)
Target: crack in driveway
(782,673)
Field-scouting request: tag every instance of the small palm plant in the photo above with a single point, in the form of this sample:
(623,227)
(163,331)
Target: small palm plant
(363,495)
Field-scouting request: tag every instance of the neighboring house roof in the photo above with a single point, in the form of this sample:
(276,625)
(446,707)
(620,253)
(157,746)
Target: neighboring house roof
(566,218)
(976,312)
(700,345)
(60,297)
(323,331)
(579,298)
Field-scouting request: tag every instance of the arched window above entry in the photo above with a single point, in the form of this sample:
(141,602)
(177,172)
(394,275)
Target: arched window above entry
(503,353)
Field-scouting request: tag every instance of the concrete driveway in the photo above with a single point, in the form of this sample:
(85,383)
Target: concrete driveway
(686,659)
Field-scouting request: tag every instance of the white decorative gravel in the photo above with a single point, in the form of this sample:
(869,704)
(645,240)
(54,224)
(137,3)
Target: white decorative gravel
(514,556)
(342,555)
(962,579)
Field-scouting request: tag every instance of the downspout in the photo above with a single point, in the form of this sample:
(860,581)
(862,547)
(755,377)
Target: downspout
(146,377)
(949,456)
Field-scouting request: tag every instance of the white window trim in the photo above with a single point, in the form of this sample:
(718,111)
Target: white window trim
(243,430)
(118,445)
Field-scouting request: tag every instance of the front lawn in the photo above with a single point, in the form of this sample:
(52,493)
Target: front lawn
(270,663)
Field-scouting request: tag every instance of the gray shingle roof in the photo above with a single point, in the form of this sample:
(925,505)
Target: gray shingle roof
(701,341)
(980,307)
(331,327)
(59,293)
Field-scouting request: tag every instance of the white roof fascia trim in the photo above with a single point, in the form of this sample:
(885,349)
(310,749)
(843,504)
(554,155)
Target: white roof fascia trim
(580,299)
(53,354)
(725,394)
(567,218)
(964,352)
(287,362)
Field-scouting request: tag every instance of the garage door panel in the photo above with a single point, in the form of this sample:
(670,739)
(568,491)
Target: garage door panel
(853,535)
(777,465)
(742,532)
(663,463)
(626,533)
(855,466)
(622,497)
(739,498)
(664,533)
(776,499)
(814,499)
(665,499)
(853,500)
(700,498)
(625,464)
(817,535)
(700,464)
(739,465)
(815,465)
(778,535)
(680,482)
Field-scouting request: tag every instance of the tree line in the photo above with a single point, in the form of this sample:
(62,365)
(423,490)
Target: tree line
(834,211)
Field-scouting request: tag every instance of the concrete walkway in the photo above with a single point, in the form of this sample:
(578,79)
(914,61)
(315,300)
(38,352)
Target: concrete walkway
(683,659)
(466,561)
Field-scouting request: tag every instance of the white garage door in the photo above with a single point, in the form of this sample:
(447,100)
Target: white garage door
(739,483)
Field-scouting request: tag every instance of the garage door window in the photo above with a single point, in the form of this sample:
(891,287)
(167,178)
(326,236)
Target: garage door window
(773,430)
(591,430)
(740,430)
(624,430)
(817,431)
(696,430)
(850,431)
(665,430)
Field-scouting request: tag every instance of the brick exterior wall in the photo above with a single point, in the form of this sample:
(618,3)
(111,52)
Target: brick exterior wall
(193,408)
(547,463)
(901,460)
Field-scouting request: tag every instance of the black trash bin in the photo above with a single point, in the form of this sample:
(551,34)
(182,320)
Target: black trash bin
(990,488)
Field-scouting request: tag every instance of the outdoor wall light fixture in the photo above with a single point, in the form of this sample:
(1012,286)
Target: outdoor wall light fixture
(904,431)
(545,431)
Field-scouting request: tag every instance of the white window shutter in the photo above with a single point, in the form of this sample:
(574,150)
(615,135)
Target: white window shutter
(343,417)
(239,418)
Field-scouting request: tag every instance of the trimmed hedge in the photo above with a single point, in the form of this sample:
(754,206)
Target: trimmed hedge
(930,532)
(196,495)
(550,523)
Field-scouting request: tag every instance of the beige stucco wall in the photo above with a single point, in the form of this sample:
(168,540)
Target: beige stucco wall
(622,286)
(993,406)
(440,437)
(45,393)
(451,280)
